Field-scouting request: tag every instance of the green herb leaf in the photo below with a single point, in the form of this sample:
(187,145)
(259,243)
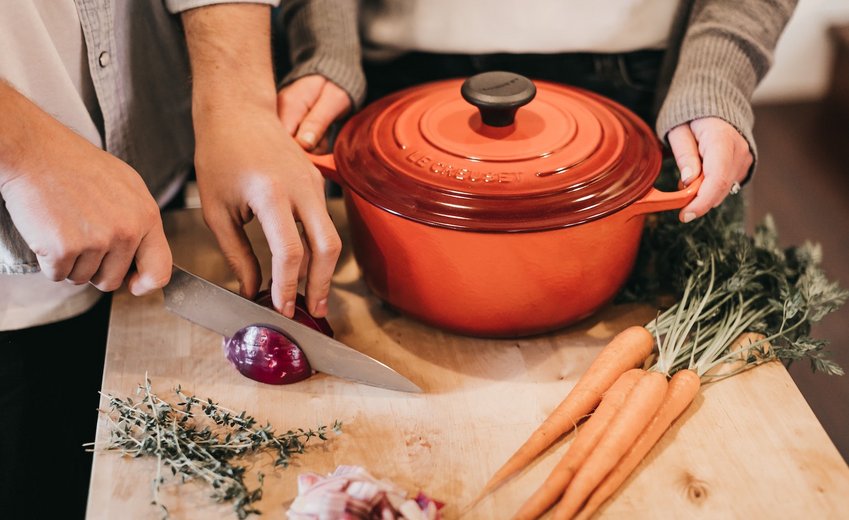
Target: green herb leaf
(193,450)
(727,282)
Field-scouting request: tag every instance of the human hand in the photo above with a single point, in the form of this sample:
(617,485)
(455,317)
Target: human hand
(308,106)
(711,145)
(87,215)
(248,165)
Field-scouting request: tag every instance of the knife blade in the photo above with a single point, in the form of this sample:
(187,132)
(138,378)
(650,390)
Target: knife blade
(217,309)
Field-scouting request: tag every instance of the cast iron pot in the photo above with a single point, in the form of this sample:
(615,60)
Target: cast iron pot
(495,207)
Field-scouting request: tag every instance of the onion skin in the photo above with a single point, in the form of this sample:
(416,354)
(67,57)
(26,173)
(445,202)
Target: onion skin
(269,356)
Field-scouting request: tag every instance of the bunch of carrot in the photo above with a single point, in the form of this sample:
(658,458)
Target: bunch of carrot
(743,303)
(631,409)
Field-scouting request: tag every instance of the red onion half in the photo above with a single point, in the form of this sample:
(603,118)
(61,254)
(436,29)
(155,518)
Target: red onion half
(269,356)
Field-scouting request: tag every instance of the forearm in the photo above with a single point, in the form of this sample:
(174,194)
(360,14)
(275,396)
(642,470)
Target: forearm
(726,51)
(25,131)
(83,213)
(323,39)
(230,52)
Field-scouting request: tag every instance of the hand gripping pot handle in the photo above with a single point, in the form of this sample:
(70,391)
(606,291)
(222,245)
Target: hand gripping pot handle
(656,200)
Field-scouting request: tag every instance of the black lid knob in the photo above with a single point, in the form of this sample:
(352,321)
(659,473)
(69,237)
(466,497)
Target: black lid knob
(498,95)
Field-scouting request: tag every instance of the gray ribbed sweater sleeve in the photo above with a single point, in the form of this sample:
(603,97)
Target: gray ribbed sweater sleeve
(323,38)
(726,50)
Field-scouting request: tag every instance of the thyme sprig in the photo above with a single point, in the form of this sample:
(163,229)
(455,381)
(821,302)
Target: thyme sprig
(201,446)
(727,283)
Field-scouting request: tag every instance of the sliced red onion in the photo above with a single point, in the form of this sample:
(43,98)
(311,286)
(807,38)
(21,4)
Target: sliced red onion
(428,504)
(365,498)
(269,356)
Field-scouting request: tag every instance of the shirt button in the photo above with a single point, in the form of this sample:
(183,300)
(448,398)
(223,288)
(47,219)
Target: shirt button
(103,59)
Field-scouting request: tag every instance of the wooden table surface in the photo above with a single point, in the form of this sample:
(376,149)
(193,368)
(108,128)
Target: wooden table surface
(749,447)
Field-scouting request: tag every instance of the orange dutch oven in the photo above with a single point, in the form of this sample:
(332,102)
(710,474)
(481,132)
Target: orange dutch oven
(496,207)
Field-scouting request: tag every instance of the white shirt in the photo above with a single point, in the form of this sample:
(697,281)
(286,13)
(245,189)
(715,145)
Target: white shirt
(533,26)
(44,58)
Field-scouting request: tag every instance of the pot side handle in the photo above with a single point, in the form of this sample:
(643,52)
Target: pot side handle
(656,200)
(326,164)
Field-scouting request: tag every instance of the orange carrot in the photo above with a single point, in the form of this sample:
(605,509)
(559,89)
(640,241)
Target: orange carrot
(642,403)
(682,389)
(587,438)
(626,350)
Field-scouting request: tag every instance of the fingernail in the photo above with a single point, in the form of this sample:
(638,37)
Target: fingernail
(321,308)
(686,174)
(289,309)
(689,216)
(307,137)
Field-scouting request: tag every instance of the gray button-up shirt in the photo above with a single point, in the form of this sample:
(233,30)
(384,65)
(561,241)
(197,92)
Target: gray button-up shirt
(126,89)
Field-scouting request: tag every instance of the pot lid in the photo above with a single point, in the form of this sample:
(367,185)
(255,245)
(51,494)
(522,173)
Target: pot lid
(497,153)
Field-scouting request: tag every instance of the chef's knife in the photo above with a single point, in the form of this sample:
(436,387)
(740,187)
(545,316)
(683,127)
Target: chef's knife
(215,308)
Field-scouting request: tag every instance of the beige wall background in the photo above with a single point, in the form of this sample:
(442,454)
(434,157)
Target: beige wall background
(803,58)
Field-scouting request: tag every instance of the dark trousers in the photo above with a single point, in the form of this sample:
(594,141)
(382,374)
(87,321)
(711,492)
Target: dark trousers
(49,379)
(629,78)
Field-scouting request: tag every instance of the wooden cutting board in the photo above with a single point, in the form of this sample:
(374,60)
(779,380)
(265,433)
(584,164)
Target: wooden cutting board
(749,447)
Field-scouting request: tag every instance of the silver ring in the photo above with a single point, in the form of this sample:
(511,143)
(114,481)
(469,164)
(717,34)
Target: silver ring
(735,188)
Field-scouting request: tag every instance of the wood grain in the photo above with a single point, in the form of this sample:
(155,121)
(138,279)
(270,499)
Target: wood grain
(750,447)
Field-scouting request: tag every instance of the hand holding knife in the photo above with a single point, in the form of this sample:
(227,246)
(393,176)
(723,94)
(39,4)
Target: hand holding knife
(215,308)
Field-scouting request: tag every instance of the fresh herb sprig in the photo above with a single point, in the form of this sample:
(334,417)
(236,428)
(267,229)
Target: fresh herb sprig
(203,447)
(727,283)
